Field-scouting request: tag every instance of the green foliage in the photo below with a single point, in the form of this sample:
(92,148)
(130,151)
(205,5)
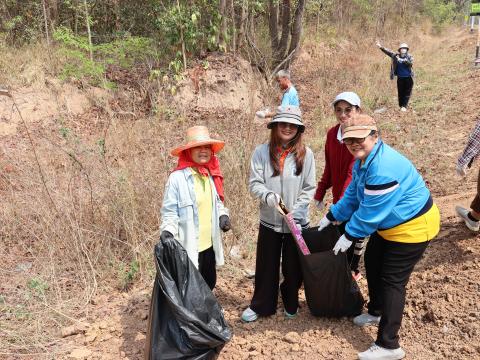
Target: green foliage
(128,274)
(37,286)
(442,12)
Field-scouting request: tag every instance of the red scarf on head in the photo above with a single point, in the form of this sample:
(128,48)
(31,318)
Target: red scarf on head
(212,168)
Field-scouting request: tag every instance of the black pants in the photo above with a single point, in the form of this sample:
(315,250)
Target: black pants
(206,266)
(270,247)
(404,87)
(388,265)
(353,257)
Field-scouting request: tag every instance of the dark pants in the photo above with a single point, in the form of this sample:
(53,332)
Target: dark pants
(206,266)
(353,257)
(475,205)
(388,265)
(270,247)
(404,87)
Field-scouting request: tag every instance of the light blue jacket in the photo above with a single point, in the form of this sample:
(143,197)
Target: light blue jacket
(180,214)
(290,97)
(385,191)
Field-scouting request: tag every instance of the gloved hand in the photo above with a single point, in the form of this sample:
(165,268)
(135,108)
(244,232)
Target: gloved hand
(461,170)
(166,235)
(320,205)
(261,114)
(378,44)
(342,244)
(224,223)
(272,199)
(324,222)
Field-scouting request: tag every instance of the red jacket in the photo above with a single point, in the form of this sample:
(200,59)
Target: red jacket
(338,167)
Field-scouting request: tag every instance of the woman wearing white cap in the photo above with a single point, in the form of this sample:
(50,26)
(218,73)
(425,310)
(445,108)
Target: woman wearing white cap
(402,62)
(192,210)
(388,200)
(337,172)
(283,168)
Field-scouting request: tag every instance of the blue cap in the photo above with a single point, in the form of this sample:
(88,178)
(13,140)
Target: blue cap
(348,96)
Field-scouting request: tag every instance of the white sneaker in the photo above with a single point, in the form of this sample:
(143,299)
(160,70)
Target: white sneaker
(463,213)
(366,319)
(249,315)
(376,352)
(403,108)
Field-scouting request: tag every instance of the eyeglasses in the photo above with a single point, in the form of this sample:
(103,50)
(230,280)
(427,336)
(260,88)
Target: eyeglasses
(350,141)
(346,111)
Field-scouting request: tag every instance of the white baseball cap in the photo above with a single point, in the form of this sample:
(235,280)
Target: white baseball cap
(348,96)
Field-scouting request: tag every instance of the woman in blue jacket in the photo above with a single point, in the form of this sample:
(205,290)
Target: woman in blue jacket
(388,200)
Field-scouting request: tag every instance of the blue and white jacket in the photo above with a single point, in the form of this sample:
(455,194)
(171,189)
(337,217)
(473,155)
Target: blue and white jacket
(385,191)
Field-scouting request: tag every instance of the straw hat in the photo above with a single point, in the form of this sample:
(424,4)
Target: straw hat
(198,136)
(359,126)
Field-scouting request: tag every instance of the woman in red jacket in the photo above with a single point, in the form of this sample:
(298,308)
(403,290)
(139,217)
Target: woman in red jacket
(337,173)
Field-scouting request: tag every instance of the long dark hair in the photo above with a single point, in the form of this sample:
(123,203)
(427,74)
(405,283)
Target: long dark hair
(297,148)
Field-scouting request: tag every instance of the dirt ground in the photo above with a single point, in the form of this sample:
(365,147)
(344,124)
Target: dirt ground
(442,313)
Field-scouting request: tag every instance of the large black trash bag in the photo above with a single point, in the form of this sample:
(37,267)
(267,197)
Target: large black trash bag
(186,321)
(330,289)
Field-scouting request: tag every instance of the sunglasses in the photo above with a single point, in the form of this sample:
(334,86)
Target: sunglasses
(350,141)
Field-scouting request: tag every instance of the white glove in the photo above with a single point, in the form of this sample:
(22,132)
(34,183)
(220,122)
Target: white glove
(320,205)
(461,170)
(342,244)
(272,199)
(261,114)
(378,44)
(323,223)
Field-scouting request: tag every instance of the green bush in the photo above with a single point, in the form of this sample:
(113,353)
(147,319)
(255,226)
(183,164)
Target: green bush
(441,12)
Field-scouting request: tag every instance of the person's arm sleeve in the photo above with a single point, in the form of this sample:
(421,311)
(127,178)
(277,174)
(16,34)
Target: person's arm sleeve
(346,206)
(169,211)
(387,52)
(300,208)
(256,183)
(381,194)
(348,179)
(472,149)
(324,184)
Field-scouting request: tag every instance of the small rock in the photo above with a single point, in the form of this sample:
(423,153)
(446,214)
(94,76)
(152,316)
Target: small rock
(449,297)
(380,110)
(23,267)
(91,338)
(249,273)
(445,329)
(69,331)
(80,353)
(140,337)
(235,252)
(292,337)
(295,347)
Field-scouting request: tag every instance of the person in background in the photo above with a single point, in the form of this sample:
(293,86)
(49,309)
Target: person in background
(288,97)
(402,62)
(283,168)
(388,200)
(337,173)
(470,153)
(192,210)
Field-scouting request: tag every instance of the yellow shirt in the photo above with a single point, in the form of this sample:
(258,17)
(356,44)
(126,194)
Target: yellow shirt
(203,195)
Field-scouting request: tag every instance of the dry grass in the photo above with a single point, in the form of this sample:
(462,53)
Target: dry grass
(91,224)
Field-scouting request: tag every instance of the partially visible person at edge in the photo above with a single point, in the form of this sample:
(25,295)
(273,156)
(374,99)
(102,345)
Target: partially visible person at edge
(402,62)
(192,211)
(337,173)
(388,200)
(289,96)
(470,153)
(283,168)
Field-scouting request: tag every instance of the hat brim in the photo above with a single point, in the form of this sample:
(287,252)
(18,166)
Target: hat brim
(358,133)
(286,120)
(217,145)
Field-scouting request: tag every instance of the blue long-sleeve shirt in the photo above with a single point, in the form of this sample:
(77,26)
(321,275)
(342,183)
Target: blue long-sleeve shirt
(385,191)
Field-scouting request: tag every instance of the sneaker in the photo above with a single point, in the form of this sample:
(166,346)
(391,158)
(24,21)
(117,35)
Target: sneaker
(290,316)
(463,213)
(376,352)
(249,315)
(366,319)
(403,108)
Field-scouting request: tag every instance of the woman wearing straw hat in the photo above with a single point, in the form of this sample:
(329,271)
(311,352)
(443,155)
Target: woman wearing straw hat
(193,210)
(283,168)
(388,200)
(402,62)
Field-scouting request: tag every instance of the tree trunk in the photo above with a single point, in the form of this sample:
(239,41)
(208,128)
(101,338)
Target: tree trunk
(234,26)
(45,19)
(296,31)
(242,25)
(87,20)
(222,4)
(273,24)
(279,55)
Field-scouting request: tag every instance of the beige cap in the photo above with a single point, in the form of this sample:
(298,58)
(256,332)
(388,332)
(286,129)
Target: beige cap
(359,126)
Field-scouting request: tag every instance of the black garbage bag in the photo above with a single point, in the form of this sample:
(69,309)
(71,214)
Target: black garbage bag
(330,289)
(186,321)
